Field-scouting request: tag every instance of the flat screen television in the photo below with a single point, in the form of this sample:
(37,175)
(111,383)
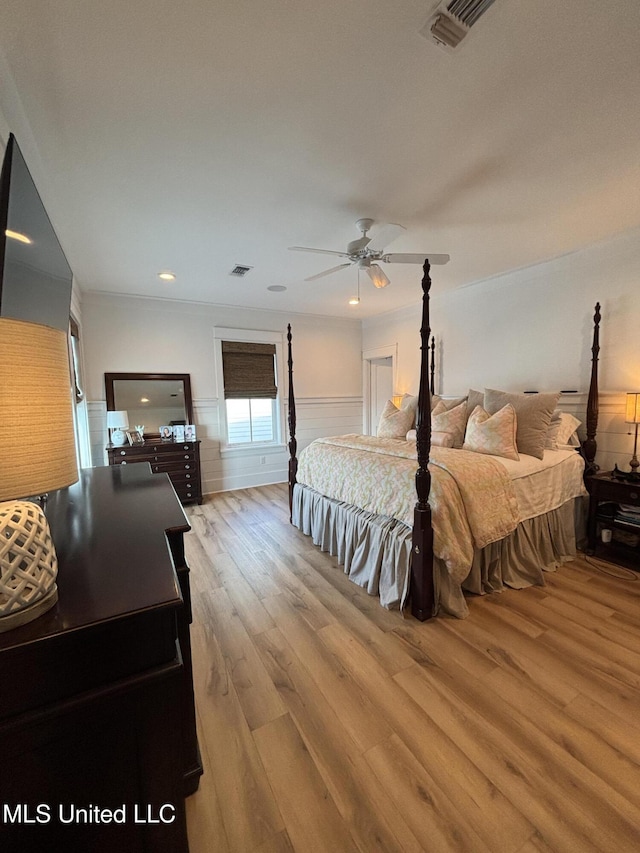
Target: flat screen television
(35,278)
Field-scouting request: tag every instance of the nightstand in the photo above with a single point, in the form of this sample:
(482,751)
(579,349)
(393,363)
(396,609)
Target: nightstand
(607,494)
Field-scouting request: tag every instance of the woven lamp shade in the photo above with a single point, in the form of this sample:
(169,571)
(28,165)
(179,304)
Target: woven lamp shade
(37,444)
(37,455)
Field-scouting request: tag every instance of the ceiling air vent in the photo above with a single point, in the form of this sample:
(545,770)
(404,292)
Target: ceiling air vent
(452,20)
(240,270)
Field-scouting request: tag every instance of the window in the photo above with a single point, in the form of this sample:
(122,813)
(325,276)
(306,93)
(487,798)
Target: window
(250,391)
(250,420)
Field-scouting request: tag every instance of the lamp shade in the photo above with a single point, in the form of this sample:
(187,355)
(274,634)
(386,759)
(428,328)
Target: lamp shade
(632,415)
(117,420)
(37,441)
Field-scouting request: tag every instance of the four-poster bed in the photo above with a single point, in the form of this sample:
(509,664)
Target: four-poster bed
(482,535)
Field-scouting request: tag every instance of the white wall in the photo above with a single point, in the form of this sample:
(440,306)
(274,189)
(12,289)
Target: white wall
(147,335)
(532,329)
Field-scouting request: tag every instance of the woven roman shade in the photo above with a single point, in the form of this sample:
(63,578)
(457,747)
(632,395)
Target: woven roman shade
(249,370)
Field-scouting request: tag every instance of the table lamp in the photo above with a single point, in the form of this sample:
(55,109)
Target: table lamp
(632,416)
(37,455)
(117,422)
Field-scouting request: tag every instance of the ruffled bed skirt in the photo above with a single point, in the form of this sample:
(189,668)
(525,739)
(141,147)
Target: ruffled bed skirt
(375,550)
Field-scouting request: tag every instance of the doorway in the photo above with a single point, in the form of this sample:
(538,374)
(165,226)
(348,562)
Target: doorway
(378,373)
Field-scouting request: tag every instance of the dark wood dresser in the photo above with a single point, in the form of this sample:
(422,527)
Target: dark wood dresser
(180,460)
(97,721)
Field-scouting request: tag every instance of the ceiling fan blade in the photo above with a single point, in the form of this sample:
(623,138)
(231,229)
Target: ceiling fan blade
(327,272)
(377,275)
(318,251)
(415,258)
(386,234)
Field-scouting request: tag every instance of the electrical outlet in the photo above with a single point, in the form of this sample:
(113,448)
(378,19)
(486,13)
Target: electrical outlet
(263,460)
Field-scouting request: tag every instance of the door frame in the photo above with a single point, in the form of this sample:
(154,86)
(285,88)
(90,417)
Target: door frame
(390,351)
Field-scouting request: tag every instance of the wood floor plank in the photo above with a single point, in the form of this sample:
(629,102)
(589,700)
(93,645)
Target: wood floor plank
(370,815)
(255,690)
(311,816)
(249,810)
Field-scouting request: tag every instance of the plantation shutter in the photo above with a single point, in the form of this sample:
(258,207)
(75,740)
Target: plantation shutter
(249,370)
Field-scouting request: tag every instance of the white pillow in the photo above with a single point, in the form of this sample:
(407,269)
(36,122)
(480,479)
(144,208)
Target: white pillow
(494,434)
(394,423)
(438,439)
(450,420)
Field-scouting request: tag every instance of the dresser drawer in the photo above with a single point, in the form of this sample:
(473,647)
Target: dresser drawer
(175,467)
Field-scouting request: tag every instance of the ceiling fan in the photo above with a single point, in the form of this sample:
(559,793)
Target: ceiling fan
(363,253)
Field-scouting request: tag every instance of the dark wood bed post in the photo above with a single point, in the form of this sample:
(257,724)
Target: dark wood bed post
(589,445)
(293,444)
(422,592)
(432,367)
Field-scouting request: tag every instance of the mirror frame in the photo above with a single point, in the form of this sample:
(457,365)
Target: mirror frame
(185,378)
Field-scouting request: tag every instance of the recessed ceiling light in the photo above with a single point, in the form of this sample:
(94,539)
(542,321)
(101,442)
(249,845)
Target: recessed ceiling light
(276,288)
(16,235)
(167,276)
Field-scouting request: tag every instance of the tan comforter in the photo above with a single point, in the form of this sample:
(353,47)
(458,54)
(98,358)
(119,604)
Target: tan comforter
(472,498)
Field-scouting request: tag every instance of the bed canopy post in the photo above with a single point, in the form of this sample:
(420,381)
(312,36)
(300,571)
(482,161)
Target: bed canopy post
(422,592)
(293,444)
(589,445)
(432,367)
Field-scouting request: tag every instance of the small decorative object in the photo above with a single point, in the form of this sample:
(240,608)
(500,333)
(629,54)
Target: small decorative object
(632,416)
(166,433)
(606,535)
(178,432)
(135,437)
(140,429)
(118,422)
(190,432)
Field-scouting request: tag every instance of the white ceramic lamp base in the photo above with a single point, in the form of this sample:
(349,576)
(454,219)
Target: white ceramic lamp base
(28,564)
(118,438)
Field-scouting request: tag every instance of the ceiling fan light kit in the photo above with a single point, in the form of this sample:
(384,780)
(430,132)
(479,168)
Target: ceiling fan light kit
(366,251)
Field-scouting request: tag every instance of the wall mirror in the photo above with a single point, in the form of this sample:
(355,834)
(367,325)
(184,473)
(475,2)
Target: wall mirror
(150,399)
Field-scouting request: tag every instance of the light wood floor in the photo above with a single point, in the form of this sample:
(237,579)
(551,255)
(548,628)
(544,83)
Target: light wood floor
(328,724)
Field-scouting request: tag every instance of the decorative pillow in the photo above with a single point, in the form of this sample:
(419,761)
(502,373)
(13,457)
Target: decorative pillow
(474,398)
(494,435)
(551,441)
(394,423)
(409,403)
(438,439)
(450,420)
(567,430)
(533,413)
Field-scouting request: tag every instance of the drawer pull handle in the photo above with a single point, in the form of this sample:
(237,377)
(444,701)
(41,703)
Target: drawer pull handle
(634,496)
(188,476)
(123,453)
(186,447)
(187,467)
(124,462)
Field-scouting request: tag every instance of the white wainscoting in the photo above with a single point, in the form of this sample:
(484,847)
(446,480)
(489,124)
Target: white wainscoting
(315,417)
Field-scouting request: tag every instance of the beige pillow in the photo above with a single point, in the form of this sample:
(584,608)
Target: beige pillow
(533,414)
(450,420)
(567,430)
(551,441)
(474,398)
(438,439)
(494,435)
(409,403)
(394,422)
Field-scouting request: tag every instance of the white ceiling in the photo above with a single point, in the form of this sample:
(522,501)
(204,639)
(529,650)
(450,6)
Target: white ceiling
(195,136)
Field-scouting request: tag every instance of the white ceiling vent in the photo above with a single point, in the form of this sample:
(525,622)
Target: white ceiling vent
(240,270)
(452,20)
